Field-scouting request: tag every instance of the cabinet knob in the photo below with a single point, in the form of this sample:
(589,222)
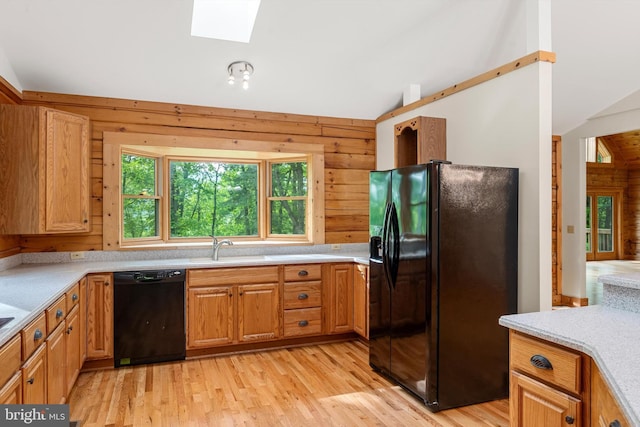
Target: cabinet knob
(302,296)
(303,323)
(37,335)
(74,297)
(69,329)
(615,423)
(540,362)
(85,220)
(31,380)
(303,273)
(59,313)
(569,419)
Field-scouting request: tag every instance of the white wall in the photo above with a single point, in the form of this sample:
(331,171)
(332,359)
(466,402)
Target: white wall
(6,71)
(503,122)
(574,186)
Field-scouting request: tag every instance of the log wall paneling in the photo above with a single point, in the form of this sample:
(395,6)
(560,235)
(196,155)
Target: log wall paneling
(556,220)
(349,150)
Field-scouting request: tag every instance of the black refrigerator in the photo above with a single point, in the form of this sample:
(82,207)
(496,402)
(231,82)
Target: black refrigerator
(443,269)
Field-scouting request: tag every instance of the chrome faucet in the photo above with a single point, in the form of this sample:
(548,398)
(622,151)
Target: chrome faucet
(217,244)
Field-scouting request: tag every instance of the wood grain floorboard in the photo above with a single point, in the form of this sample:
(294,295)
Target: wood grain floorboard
(322,385)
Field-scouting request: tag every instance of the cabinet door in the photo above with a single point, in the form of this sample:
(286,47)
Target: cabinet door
(11,393)
(99,316)
(67,172)
(73,362)
(82,320)
(340,305)
(534,404)
(34,378)
(56,360)
(258,312)
(210,316)
(605,411)
(361,300)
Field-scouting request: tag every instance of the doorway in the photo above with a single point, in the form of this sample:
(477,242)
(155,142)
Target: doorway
(602,227)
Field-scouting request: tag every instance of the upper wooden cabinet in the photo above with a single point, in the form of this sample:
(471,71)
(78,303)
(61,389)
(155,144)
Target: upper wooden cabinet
(420,140)
(44,179)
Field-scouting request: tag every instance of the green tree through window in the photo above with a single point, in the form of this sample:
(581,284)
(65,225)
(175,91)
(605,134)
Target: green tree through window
(208,196)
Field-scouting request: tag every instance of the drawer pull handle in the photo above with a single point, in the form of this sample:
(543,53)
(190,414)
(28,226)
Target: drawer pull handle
(37,335)
(569,419)
(541,362)
(74,297)
(303,323)
(615,423)
(59,313)
(31,380)
(303,273)
(302,296)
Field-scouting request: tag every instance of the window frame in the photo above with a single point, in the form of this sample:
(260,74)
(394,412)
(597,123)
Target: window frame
(175,147)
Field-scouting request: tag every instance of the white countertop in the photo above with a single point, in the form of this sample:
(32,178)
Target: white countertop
(609,335)
(28,289)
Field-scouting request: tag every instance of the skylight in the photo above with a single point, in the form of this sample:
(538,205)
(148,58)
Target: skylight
(230,20)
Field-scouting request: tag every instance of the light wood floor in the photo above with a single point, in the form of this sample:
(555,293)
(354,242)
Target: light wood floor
(323,385)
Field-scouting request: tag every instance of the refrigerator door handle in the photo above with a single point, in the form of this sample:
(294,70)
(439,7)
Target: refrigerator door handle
(385,244)
(395,244)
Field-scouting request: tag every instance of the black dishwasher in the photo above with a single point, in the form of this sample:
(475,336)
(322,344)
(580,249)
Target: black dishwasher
(148,316)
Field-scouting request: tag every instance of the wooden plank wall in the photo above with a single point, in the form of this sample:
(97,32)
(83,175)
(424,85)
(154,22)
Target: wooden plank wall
(349,146)
(631,225)
(616,177)
(556,219)
(9,245)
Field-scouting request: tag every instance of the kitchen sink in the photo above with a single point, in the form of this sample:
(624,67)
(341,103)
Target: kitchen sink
(5,320)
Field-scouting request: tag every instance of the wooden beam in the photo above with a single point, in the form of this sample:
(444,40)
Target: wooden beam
(532,58)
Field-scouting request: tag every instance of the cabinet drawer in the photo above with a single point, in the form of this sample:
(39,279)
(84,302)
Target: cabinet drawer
(232,276)
(56,313)
(302,295)
(33,335)
(73,296)
(302,272)
(304,321)
(9,359)
(564,366)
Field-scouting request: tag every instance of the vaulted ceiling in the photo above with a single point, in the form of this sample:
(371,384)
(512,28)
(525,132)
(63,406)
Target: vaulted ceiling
(343,58)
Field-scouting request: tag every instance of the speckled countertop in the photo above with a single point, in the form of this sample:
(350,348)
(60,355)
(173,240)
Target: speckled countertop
(608,333)
(28,289)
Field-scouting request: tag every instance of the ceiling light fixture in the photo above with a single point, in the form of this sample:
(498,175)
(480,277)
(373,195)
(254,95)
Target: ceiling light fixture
(241,70)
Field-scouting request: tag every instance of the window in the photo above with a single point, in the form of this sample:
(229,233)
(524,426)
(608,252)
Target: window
(140,200)
(159,192)
(597,151)
(213,199)
(287,198)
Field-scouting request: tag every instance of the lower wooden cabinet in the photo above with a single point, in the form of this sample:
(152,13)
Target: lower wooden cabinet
(56,355)
(227,306)
(73,348)
(605,411)
(340,301)
(34,377)
(538,405)
(210,316)
(361,300)
(258,312)
(555,386)
(99,316)
(11,393)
